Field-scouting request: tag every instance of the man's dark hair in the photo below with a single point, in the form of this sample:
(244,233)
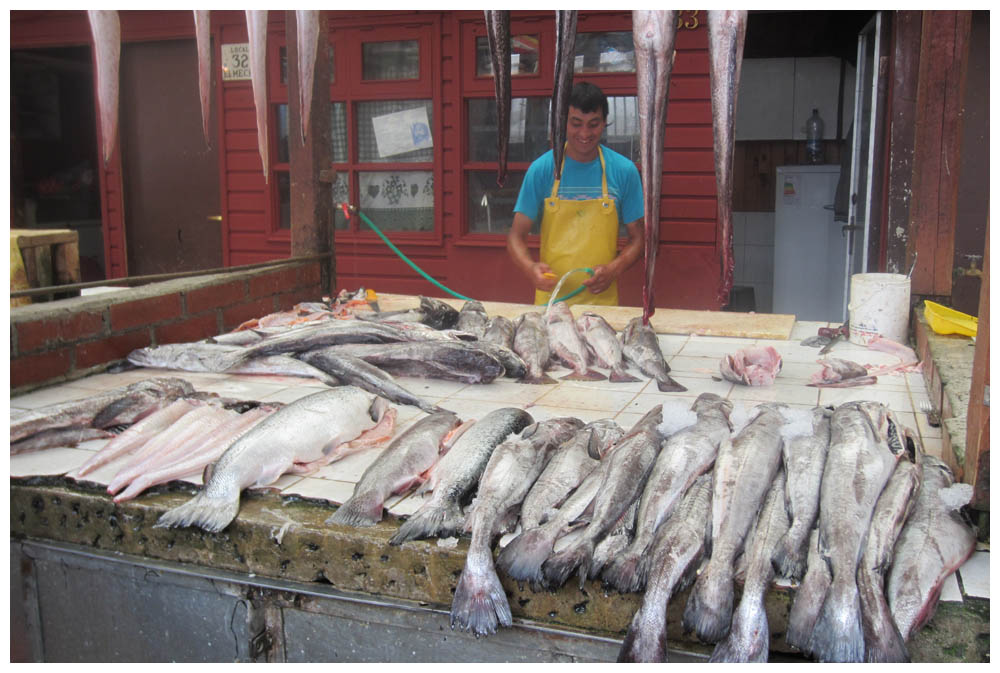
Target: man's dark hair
(586,97)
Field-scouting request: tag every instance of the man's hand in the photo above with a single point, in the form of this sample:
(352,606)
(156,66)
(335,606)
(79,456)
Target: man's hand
(542,277)
(604,275)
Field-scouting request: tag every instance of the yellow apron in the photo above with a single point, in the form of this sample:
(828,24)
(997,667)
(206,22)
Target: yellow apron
(579,234)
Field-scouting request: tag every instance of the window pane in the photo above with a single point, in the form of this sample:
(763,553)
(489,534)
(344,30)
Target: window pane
(491,208)
(529,124)
(523,56)
(390,60)
(395,131)
(283,65)
(622,132)
(340,194)
(604,52)
(398,200)
(338,128)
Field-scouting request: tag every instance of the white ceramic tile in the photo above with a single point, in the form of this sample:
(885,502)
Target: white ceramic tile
(797,372)
(714,348)
(543,413)
(627,419)
(696,386)
(287,395)
(475,409)
(924,427)
(325,489)
(791,351)
(803,329)
(243,388)
(760,228)
(671,344)
(573,397)
(104,474)
(350,468)
(790,393)
(950,591)
(894,399)
(975,574)
(700,367)
(505,392)
(916,381)
(406,506)
(933,446)
(921,399)
(47,462)
(65,392)
(285,481)
(431,389)
(739,228)
(646,401)
(760,263)
(908,420)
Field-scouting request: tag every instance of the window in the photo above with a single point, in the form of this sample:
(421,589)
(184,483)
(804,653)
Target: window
(604,52)
(523,56)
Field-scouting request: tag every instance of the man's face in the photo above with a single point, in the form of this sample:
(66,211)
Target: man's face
(583,133)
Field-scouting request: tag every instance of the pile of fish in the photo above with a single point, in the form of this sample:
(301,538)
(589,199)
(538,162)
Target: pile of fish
(348,343)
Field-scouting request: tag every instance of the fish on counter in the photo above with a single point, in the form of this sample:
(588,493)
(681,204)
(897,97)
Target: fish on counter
(498,40)
(866,442)
(513,366)
(754,366)
(47,439)
(676,550)
(327,333)
(299,437)
(567,343)
(642,349)
(449,360)
(456,474)
(398,468)
(603,344)
(472,318)
(809,597)
(432,312)
(744,470)
(684,456)
(499,331)
(840,373)
(531,342)
(480,603)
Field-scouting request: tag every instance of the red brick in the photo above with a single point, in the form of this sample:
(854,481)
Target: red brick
(143,312)
(110,349)
(191,329)
(287,300)
(235,315)
(32,336)
(272,283)
(40,367)
(309,274)
(216,296)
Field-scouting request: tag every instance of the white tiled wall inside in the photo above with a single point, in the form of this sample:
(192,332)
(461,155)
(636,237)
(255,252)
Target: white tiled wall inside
(753,250)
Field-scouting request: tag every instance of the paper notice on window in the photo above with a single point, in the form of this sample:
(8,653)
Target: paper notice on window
(401,132)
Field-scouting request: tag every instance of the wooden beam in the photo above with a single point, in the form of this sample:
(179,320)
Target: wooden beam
(977,433)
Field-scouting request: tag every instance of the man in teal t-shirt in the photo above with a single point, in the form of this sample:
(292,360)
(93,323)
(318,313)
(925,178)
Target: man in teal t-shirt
(589,236)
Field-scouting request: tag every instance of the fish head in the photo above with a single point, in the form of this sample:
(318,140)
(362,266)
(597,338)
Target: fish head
(142,357)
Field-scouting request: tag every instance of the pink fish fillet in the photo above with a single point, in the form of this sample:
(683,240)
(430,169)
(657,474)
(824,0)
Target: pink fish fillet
(726,34)
(307,38)
(257,31)
(371,437)
(137,435)
(203,38)
(107,36)
(195,461)
(756,366)
(653,35)
(908,360)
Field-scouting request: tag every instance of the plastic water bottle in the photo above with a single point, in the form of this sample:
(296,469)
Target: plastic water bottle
(814,138)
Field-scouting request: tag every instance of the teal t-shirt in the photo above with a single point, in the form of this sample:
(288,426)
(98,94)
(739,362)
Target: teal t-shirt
(583,181)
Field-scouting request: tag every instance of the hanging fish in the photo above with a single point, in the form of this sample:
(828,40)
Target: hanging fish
(107,34)
(498,38)
(307,36)
(726,33)
(653,35)
(202,37)
(257,32)
(563,78)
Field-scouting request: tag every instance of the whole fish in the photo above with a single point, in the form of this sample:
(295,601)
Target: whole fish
(935,541)
(684,456)
(744,470)
(243,337)
(563,83)
(355,371)
(500,331)
(307,44)
(498,39)
(257,38)
(602,342)
(755,366)
(106,31)
(808,597)
(119,406)
(299,435)
(513,366)
(567,467)
(396,469)
(329,333)
(615,542)
(749,637)
(47,439)
(623,475)
(865,444)
(438,314)
(883,643)
(203,41)
(678,546)
(457,473)
(653,35)
(642,349)
(804,458)
(472,318)
(450,360)
(567,343)
(531,342)
(480,602)
(191,357)
(726,35)
(838,373)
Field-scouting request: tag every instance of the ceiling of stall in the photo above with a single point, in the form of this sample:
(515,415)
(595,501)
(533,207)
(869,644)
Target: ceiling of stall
(778,34)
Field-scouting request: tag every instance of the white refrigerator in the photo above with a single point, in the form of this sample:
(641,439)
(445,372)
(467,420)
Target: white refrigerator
(810,249)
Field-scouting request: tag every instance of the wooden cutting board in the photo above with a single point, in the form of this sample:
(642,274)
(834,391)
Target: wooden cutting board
(664,321)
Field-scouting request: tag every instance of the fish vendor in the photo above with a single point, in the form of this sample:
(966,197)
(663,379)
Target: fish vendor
(581,213)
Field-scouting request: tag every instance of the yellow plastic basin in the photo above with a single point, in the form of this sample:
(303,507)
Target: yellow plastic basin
(944,320)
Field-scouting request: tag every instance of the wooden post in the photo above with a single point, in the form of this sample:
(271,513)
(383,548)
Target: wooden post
(310,177)
(977,432)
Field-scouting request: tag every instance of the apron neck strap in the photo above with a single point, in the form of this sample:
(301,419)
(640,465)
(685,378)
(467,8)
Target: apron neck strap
(604,174)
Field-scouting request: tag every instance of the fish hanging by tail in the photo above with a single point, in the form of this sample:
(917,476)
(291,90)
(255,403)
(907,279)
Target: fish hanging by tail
(106,30)
(498,37)
(563,77)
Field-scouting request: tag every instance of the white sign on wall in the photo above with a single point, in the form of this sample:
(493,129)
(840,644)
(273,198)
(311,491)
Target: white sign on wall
(235,61)
(404,131)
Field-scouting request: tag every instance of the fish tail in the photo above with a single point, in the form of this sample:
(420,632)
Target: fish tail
(889,648)
(644,645)
(748,639)
(430,521)
(541,379)
(838,635)
(480,602)
(362,509)
(210,513)
(619,375)
(666,384)
(559,566)
(623,572)
(709,608)
(586,375)
(788,558)
(523,556)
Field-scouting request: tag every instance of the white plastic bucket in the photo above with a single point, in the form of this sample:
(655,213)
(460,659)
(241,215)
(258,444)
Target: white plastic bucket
(880,306)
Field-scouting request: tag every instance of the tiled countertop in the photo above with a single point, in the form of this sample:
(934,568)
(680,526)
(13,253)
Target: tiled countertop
(693,361)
